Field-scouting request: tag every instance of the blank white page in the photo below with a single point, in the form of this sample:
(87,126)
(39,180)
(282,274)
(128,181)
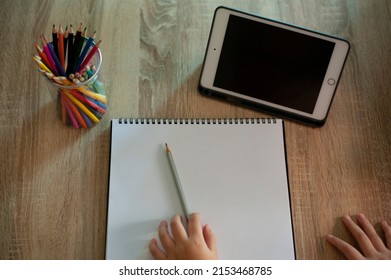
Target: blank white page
(234,174)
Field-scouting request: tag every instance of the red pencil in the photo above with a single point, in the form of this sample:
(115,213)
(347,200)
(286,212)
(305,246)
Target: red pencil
(43,57)
(61,47)
(89,56)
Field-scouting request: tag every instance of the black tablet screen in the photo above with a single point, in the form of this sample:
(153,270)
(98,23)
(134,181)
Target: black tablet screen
(272,64)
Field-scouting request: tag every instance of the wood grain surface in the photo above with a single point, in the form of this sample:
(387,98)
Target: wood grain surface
(54,179)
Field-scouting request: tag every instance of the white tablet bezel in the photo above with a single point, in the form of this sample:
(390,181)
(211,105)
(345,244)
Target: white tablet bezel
(330,81)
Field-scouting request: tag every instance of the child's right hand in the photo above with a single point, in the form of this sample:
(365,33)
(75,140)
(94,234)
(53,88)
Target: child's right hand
(198,243)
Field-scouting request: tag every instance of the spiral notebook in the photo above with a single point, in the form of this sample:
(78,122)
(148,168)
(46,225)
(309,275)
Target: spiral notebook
(233,172)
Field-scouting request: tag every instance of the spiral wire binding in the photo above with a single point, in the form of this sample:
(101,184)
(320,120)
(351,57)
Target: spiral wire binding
(197,121)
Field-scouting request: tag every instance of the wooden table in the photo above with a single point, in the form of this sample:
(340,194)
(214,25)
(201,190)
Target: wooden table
(54,179)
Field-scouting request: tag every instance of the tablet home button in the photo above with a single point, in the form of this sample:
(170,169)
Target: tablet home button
(331,82)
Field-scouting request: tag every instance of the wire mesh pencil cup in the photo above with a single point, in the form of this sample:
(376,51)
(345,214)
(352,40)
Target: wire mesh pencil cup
(81,104)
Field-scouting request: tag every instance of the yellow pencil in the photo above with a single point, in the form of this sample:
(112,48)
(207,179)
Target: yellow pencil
(94,95)
(82,107)
(42,65)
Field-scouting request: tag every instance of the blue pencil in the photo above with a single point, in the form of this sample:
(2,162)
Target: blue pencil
(84,52)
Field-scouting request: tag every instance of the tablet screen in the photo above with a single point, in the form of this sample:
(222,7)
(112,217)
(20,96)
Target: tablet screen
(273,64)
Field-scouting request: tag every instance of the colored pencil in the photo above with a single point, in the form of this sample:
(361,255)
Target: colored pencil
(49,55)
(55,58)
(76,112)
(81,106)
(55,39)
(43,56)
(66,34)
(41,65)
(84,52)
(94,95)
(61,47)
(69,65)
(69,110)
(78,49)
(89,56)
(71,59)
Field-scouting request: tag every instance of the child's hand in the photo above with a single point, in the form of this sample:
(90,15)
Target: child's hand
(198,244)
(371,245)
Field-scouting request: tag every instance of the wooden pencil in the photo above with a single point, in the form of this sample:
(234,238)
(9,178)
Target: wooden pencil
(55,58)
(49,55)
(177,182)
(78,49)
(74,47)
(43,56)
(66,34)
(89,56)
(70,51)
(55,39)
(61,46)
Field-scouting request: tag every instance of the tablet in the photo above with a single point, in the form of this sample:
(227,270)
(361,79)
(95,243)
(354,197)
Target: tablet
(272,66)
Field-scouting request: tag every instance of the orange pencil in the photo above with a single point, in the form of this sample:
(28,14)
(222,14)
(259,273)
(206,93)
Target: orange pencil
(43,56)
(61,47)
(69,110)
(75,111)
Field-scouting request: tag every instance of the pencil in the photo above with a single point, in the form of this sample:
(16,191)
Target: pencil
(89,56)
(78,117)
(42,65)
(66,35)
(82,107)
(54,57)
(49,55)
(55,39)
(100,97)
(71,55)
(78,48)
(177,181)
(61,46)
(43,56)
(84,52)
(69,110)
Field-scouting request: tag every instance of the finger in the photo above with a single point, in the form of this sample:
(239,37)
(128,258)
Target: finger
(370,232)
(387,233)
(362,239)
(210,238)
(178,230)
(194,224)
(348,250)
(155,251)
(165,237)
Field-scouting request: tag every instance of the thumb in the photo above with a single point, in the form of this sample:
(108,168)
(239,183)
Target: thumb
(210,238)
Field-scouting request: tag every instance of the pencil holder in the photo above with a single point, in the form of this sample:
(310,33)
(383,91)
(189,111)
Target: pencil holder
(81,97)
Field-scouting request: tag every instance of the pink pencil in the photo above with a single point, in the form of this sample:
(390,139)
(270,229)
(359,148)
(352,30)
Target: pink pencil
(48,55)
(69,110)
